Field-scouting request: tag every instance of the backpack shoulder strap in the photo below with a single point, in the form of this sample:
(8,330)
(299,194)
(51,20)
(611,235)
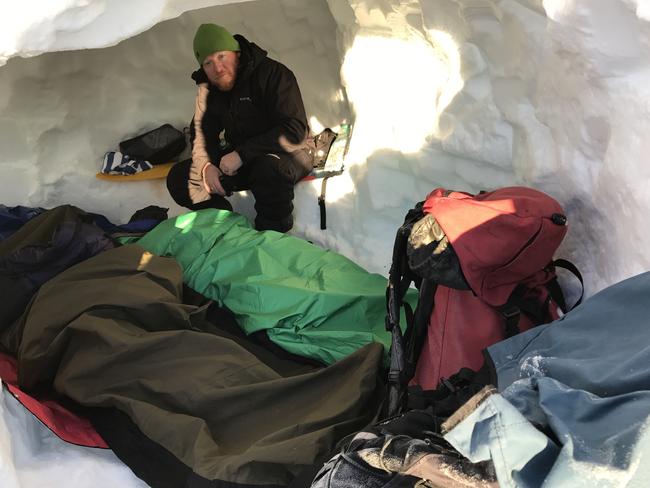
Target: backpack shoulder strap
(416,330)
(399,280)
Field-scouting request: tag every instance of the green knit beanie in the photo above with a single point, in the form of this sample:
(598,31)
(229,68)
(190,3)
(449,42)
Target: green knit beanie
(210,38)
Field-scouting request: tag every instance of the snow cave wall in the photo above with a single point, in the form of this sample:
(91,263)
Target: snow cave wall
(467,94)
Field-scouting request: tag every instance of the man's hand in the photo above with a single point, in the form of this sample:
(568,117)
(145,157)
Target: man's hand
(211,180)
(230,163)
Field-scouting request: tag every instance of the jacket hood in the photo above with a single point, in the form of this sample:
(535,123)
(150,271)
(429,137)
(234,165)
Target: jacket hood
(251,57)
(501,238)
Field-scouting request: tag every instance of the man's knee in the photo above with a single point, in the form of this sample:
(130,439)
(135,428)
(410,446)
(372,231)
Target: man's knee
(280,169)
(177,183)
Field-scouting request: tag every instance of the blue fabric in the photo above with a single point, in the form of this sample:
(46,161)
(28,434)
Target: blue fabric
(50,243)
(116,163)
(13,218)
(574,402)
(137,226)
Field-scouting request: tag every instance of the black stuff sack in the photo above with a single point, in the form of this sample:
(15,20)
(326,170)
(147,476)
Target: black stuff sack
(158,146)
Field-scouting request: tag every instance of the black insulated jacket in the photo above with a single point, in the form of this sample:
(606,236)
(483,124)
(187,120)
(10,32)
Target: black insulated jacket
(262,114)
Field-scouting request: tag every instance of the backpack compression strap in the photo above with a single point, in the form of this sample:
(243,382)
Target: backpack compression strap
(516,305)
(554,287)
(538,313)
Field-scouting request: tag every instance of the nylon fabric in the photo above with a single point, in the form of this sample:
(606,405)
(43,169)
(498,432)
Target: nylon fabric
(13,218)
(504,241)
(112,332)
(461,325)
(60,420)
(43,247)
(501,237)
(312,302)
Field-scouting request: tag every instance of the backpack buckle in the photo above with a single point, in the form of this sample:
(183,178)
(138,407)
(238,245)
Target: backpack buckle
(510,312)
(447,384)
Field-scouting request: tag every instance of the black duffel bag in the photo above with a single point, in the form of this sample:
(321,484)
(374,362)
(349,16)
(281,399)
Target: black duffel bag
(161,145)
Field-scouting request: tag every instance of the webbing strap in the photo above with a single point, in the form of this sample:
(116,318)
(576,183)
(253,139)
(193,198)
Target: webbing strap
(516,305)
(416,331)
(321,204)
(399,279)
(555,290)
(511,315)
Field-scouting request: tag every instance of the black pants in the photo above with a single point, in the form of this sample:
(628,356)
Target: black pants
(270,178)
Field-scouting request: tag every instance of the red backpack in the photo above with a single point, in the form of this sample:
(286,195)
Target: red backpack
(484,268)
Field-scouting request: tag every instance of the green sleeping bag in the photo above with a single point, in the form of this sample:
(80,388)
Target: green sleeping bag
(312,302)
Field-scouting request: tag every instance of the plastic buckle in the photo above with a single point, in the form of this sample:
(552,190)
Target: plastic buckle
(510,313)
(394,377)
(448,385)
(390,325)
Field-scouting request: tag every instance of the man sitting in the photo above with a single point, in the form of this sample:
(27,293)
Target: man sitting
(249,131)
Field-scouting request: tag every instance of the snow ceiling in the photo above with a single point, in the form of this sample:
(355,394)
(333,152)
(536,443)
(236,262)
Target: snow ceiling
(466,94)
